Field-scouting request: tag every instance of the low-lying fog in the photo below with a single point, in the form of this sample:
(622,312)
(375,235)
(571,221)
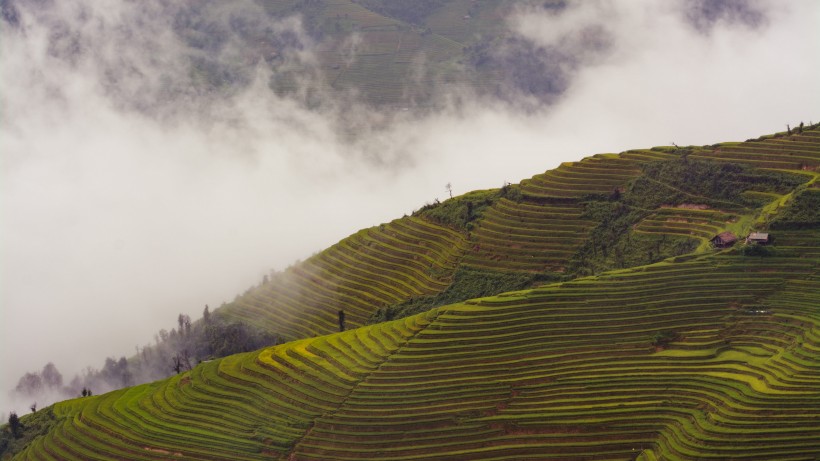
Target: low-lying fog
(128,198)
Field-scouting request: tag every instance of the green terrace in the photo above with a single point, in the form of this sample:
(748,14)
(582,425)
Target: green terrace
(541,229)
(688,222)
(599,174)
(568,370)
(368,270)
(795,151)
(706,355)
(522,236)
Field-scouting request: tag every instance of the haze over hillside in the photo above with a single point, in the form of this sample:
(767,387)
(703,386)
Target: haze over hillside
(148,167)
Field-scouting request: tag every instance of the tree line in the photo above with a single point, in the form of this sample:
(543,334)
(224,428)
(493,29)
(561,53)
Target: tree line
(174,351)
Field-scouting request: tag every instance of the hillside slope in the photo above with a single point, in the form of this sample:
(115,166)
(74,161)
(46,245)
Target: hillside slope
(712,357)
(712,354)
(603,212)
(386,54)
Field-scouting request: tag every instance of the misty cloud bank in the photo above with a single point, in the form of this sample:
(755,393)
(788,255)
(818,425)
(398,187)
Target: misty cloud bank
(148,169)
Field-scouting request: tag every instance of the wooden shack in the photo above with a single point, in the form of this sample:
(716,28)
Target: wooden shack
(724,240)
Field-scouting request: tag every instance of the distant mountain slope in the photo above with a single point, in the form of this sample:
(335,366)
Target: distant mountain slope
(386,53)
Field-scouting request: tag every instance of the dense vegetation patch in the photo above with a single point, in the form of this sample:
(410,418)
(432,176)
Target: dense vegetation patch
(460,212)
(613,243)
(19,432)
(803,211)
(715,184)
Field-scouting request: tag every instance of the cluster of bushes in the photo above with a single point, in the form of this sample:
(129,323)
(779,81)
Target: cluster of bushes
(18,432)
(663,338)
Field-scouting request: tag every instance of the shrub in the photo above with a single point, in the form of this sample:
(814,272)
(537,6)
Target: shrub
(664,337)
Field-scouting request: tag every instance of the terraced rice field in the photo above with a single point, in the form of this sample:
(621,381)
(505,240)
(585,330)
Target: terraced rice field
(566,371)
(373,268)
(596,175)
(541,232)
(527,236)
(695,223)
(796,151)
(569,370)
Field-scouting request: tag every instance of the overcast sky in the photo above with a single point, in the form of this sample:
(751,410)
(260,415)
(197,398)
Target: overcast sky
(113,220)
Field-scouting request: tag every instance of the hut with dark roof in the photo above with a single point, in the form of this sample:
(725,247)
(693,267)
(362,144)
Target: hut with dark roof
(724,240)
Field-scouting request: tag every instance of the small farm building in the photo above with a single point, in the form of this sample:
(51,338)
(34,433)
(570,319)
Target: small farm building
(724,240)
(758,237)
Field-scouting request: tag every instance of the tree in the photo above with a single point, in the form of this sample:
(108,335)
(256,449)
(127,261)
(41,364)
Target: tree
(182,361)
(125,374)
(30,384)
(206,315)
(449,188)
(14,424)
(341,320)
(51,376)
(662,339)
(33,407)
(184,322)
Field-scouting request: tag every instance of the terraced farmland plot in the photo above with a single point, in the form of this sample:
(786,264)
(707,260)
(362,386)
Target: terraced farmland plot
(599,174)
(368,270)
(565,371)
(568,372)
(799,243)
(705,356)
(244,407)
(528,237)
(796,151)
(702,224)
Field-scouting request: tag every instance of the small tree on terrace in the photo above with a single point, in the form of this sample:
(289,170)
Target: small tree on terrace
(182,362)
(663,338)
(14,424)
